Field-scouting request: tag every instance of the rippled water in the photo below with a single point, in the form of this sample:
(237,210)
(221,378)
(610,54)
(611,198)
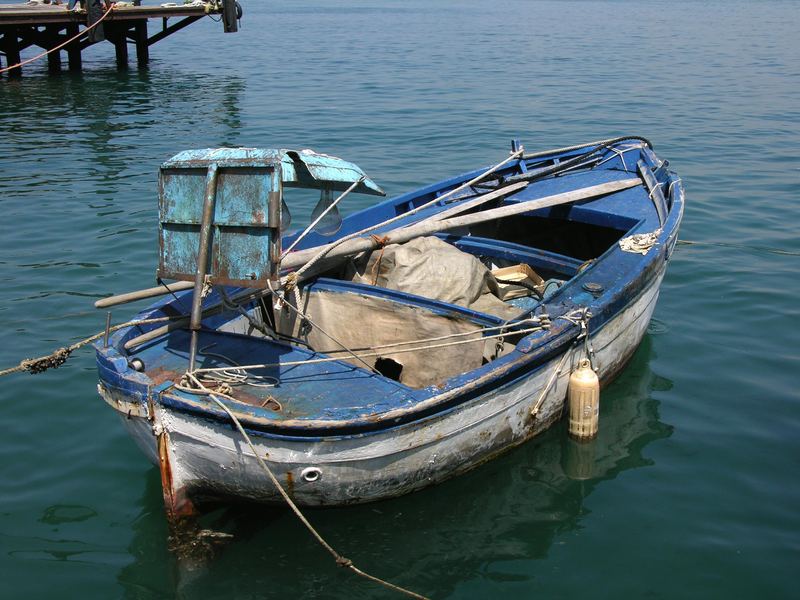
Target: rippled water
(692,487)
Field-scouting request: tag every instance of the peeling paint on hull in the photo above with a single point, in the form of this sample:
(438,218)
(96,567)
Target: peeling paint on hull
(342,434)
(211,459)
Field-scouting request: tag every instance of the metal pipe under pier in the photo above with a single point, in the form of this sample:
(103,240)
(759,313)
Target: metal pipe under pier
(46,26)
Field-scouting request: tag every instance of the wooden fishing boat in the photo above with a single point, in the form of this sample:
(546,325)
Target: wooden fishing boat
(372,356)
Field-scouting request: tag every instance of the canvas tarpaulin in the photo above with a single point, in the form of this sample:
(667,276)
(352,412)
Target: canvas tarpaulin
(430,267)
(363,323)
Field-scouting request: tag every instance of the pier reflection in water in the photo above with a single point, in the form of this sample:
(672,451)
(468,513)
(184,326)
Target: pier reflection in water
(84,154)
(514,508)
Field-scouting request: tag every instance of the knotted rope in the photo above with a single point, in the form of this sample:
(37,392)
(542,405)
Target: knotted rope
(380,242)
(57,358)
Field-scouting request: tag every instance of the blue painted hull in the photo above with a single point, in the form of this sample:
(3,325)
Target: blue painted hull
(337,433)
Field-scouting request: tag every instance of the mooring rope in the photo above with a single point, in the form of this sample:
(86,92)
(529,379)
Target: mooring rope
(340,560)
(580,318)
(777,251)
(553,376)
(318,257)
(51,50)
(57,358)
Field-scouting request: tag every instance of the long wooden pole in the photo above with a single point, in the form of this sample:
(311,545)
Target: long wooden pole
(159,290)
(426,227)
(186,285)
(429,227)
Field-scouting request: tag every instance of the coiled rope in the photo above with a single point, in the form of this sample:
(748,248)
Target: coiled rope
(69,41)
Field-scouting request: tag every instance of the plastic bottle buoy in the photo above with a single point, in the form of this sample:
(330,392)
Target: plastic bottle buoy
(584,401)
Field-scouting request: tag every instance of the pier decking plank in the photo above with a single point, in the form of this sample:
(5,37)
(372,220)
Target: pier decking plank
(39,14)
(48,25)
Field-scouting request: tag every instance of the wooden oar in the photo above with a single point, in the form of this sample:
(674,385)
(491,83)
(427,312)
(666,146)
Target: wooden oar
(482,199)
(430,227)
(434,224)
(186,285)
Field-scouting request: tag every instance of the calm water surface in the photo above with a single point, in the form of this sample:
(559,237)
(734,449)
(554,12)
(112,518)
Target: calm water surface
(693,488)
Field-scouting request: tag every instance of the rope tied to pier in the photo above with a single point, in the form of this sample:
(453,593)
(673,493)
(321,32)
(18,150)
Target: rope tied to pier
(341,561)
(61,45)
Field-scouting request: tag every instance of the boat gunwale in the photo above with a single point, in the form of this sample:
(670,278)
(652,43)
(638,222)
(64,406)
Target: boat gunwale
(438,406)
(503,371)
(518,365)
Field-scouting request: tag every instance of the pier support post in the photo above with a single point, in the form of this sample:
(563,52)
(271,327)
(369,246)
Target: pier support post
(142,46)
(54,58)
(120,40)
(12,51)
(23,26)
(229,21)
(74,49)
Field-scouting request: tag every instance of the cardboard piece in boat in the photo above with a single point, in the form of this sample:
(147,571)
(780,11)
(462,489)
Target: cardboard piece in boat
(522,273)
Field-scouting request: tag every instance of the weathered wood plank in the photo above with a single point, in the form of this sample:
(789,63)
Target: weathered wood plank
(22,14)
(404,234)
(12,51)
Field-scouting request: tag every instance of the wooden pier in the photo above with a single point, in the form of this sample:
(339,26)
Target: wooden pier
(48,26)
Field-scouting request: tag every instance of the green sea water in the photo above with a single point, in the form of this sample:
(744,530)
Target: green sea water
(691,489)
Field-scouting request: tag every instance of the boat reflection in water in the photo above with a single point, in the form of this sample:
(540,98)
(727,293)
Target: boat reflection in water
(512,508)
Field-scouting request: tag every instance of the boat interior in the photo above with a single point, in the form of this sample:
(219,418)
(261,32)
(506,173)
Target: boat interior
(371,334)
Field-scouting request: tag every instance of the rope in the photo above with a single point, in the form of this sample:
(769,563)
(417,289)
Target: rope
(587,145)
(322,331)
(777,251)
(340,560)
(592,157)
(60,356)
(579,317)
(235,375)
(462,334)
(639,243)
(294,363)
(381,243)
(51,50)
(620,154)
(553,377)
(330,247)
(320,217)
